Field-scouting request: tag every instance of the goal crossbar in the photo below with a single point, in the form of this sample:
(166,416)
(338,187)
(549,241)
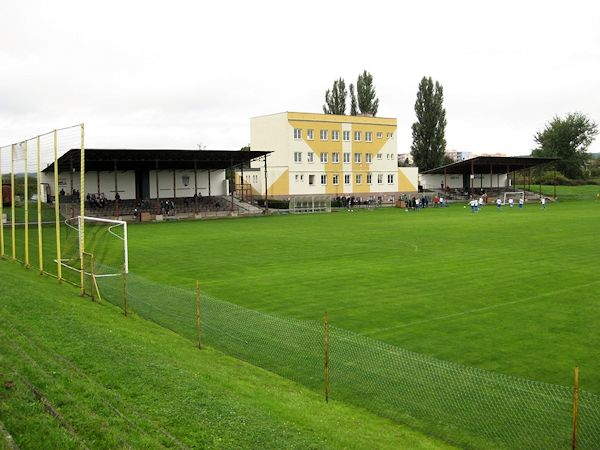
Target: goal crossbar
(115,223)
(514,195)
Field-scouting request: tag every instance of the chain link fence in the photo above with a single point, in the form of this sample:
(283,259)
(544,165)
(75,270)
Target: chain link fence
(465,406)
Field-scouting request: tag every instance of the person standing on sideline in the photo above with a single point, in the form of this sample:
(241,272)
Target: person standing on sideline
(543,202)
(498,203)
(521,203)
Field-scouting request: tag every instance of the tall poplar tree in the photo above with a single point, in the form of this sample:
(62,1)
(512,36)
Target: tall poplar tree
(368,103)
(335,99)
(429,143)
(353,108)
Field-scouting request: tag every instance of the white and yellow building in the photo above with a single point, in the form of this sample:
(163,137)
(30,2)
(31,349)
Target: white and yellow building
(324,154)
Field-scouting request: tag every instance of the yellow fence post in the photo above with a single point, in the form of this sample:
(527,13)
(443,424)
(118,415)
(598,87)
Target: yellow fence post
(198,320)
(326,335)
(26,207)
(92,279)
(82,207)
(57,209)
(39,211)
(125,292)
(575,408)
(12,201)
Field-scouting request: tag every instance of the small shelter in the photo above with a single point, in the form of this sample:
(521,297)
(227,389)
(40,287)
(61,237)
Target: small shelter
(494,173)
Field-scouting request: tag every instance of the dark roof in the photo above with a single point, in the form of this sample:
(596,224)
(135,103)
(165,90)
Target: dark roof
(494,164)
(103,159)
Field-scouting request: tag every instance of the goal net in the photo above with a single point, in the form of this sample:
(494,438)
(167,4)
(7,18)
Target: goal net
(104,240)
(310,204)
(515,196)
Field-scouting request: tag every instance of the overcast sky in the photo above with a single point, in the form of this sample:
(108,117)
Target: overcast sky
(180,73)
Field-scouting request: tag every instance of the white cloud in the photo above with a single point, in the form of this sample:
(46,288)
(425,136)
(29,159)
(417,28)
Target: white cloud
(179,73)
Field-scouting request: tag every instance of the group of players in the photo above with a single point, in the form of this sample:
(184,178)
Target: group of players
(476,203)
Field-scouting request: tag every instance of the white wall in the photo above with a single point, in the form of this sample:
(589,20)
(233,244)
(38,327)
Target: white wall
(456,181)
(165,183)
(126,183)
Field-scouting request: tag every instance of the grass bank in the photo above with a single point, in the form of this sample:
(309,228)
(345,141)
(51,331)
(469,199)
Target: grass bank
(77,374)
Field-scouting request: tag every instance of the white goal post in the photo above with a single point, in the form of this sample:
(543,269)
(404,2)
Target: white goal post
(514,195)
(106,239)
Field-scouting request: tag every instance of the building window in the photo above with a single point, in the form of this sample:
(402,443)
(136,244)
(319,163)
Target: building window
(298,157)
(323,179)
(310,157)
(359,179)
(255,178)
(379,178)
(335,157)
(346,157)
(297,133)
(346,136)
(357,136)
(369,136)
(369,178)
(335,180)
(335,135)
(368,157)
(379,156)
(311,180)
(324,157)
(323,135)
(347,179)
(390,135)
(390,179)
(310,134)
(357,158)
(379,135)
(297,177)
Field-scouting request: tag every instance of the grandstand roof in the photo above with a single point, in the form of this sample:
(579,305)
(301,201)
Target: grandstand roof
(495,164)
(103,159)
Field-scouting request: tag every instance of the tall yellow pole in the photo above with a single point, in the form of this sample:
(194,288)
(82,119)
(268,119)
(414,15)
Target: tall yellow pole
(1,209)
(82,209)
(57,209)
(39,210)
(326,374)
(26,199)
(12,201)
(198,319)
(575,408)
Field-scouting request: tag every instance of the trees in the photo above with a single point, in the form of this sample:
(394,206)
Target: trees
(335,100)
(367,103)
(429,143)
(568,139)
(353,108)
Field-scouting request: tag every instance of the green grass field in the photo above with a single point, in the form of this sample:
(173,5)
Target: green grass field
(511,291)
(75,374)
(585,192)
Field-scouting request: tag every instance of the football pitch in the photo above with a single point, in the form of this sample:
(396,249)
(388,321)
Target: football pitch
(510,291)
